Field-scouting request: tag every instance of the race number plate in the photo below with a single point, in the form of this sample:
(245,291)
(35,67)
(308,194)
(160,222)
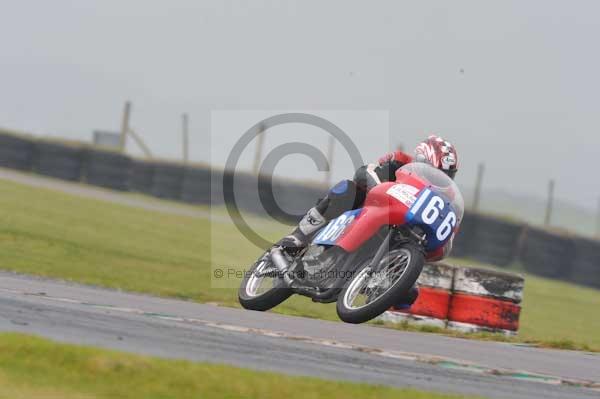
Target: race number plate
(434,211)
(334,230)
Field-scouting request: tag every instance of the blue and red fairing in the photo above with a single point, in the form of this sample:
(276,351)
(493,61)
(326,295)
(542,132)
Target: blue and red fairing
(410,200)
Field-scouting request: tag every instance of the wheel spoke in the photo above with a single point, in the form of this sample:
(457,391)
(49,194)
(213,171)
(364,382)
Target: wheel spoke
(372,286)
(261,279)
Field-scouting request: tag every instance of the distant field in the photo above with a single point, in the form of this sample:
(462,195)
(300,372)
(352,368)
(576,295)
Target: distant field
(58,235)
(37,368)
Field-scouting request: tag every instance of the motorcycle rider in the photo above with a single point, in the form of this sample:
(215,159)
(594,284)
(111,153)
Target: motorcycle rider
(351,194)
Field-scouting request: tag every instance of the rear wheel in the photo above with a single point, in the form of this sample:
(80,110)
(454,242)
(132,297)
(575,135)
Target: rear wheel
(369,294)
(262,288)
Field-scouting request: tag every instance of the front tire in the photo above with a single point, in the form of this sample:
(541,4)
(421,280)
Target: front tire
(367,295)
(249,294)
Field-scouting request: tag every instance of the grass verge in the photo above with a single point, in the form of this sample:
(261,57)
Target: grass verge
(34,367)
(57,235)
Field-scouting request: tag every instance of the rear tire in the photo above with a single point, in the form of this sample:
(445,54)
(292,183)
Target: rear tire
(359,284)
(250,299)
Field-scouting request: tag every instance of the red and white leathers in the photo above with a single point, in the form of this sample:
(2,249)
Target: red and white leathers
(385,170)
(351,194)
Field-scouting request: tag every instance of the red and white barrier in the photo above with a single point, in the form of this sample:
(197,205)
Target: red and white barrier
(431,307)
(485,300)
(465,299)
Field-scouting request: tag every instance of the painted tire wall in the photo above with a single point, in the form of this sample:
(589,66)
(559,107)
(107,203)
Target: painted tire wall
(466,299)
(432,302)
(484,312)
(485,300)
(489,283)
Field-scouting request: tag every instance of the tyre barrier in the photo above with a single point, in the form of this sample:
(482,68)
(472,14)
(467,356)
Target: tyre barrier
(217,182)
(107,169)
(142,176)
(586,263)
(244,188)
(485,300)
(464,299)
(58,160)
(472,313)
(293,200)
(482,237)
(488,283)
(496,240)
(167,181)
(246,193)
(465,240)
(547,254)
(279,199)
(196,185)
(431,306)
(16,152)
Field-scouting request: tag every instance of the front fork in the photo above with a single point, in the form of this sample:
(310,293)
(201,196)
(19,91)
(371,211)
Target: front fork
(410,235)
(375,265)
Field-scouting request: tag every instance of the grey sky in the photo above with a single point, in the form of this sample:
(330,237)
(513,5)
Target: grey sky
(514,83)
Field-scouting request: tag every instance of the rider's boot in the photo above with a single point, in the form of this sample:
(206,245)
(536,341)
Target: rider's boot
(408,299)
(340,198)
(302,234)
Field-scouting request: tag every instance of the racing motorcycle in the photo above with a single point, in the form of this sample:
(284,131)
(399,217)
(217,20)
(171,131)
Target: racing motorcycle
(366,259)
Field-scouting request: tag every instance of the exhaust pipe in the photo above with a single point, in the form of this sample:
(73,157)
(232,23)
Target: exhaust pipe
(281,264)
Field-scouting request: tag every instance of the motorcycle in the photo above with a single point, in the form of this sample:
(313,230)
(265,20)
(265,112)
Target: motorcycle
(366,259)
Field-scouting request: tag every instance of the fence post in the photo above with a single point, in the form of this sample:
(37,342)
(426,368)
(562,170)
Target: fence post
(330,147)
(125,125)
(550,203)
(478,183)
(260,140)
(140,142)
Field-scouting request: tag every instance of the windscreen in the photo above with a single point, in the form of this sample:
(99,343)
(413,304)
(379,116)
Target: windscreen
(438,181)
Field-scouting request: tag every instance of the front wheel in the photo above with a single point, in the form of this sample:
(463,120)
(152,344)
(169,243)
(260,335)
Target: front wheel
(369,294)
(262,287)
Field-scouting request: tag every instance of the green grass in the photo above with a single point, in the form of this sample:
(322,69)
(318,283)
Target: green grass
(52,234)
(57,235)
(34,367)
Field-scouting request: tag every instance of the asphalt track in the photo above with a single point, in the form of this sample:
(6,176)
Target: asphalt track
(293,345)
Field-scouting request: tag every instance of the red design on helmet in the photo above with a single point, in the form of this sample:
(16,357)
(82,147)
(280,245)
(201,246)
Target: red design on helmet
(387,157)
(397,156)
(439,153)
